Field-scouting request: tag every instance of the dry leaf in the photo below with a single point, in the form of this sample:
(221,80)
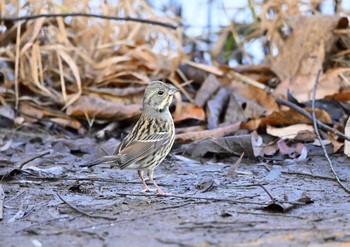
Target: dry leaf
(292,151)
(57,57)
(65,122)
(205,134)
(207,90)
(234,111)
(31,114)
(224,145)
(235,166)
(291,117)
(260,148)
(289,132)
(216,106)
(127,91)
(347,143)
(96,107)
(260,97)
(189,111)
(336,144)
(302,54)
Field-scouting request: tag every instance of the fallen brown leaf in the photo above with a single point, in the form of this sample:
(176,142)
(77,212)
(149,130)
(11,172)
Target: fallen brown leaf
(223,145)
(205,134)
(31,114)
(191,129)
(96,107)
(190,111)
(289,132)
(207,90)
(303,53)
(260,97)
(234,111)
(216,106)
(66,122)
(235,166)
(291,117)
(293,150)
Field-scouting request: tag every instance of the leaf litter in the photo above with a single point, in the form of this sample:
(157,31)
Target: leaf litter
(65,79)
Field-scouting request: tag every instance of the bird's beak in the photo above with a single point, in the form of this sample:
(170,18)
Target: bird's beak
(173,90)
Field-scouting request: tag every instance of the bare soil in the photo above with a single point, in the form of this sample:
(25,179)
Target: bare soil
(57,203)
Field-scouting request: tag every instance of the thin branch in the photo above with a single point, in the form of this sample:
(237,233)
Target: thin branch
(251,82)
(309,116)
(32,17)
(2,198)
(33,158)
(176,206)
(267,192)
(312,175)
(319,137)
(18,41)
(235,166)
(85,213)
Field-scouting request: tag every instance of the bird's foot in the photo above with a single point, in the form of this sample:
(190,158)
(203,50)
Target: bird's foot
(161,193)
(147,189)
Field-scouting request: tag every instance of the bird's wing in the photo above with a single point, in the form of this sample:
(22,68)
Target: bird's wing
(114,159)
(136,150)
(123,143)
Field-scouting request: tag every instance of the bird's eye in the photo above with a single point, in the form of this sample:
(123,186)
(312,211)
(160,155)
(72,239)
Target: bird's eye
(160,92)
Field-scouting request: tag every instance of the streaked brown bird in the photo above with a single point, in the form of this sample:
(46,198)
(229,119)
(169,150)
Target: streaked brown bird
(151,139)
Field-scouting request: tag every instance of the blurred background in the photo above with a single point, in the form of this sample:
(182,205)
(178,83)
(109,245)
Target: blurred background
(204,21)
(75,70)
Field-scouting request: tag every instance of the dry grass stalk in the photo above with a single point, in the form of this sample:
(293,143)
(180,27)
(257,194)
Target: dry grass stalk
(57,60)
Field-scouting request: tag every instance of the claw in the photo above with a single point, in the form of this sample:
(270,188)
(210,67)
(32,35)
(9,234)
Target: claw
(147,189)
(161,193)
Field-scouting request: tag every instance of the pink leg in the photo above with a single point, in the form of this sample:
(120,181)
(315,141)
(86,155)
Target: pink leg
(145,187)
(150,176)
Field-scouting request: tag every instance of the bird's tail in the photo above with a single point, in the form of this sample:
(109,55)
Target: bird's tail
(109,159)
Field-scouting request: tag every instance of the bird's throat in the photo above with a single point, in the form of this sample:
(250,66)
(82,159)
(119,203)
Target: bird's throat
(160,113)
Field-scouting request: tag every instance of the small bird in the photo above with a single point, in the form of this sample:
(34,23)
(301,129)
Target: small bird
(152,137)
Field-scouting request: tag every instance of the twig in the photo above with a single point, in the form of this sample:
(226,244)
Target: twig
(176,206)
(31,17)
(2,198)
(252,10)
(312,175)
(207,68)
(34,157)
(249,185)
(309,116)
(235,166)
(18,41)
(85,213)
(168,242)
(251,82)
(267,192)
(319,137)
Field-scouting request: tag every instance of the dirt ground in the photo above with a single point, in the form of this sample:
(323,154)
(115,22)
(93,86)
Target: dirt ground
(51,201)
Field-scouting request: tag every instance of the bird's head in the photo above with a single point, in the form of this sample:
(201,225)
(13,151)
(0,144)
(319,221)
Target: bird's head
(158,96)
